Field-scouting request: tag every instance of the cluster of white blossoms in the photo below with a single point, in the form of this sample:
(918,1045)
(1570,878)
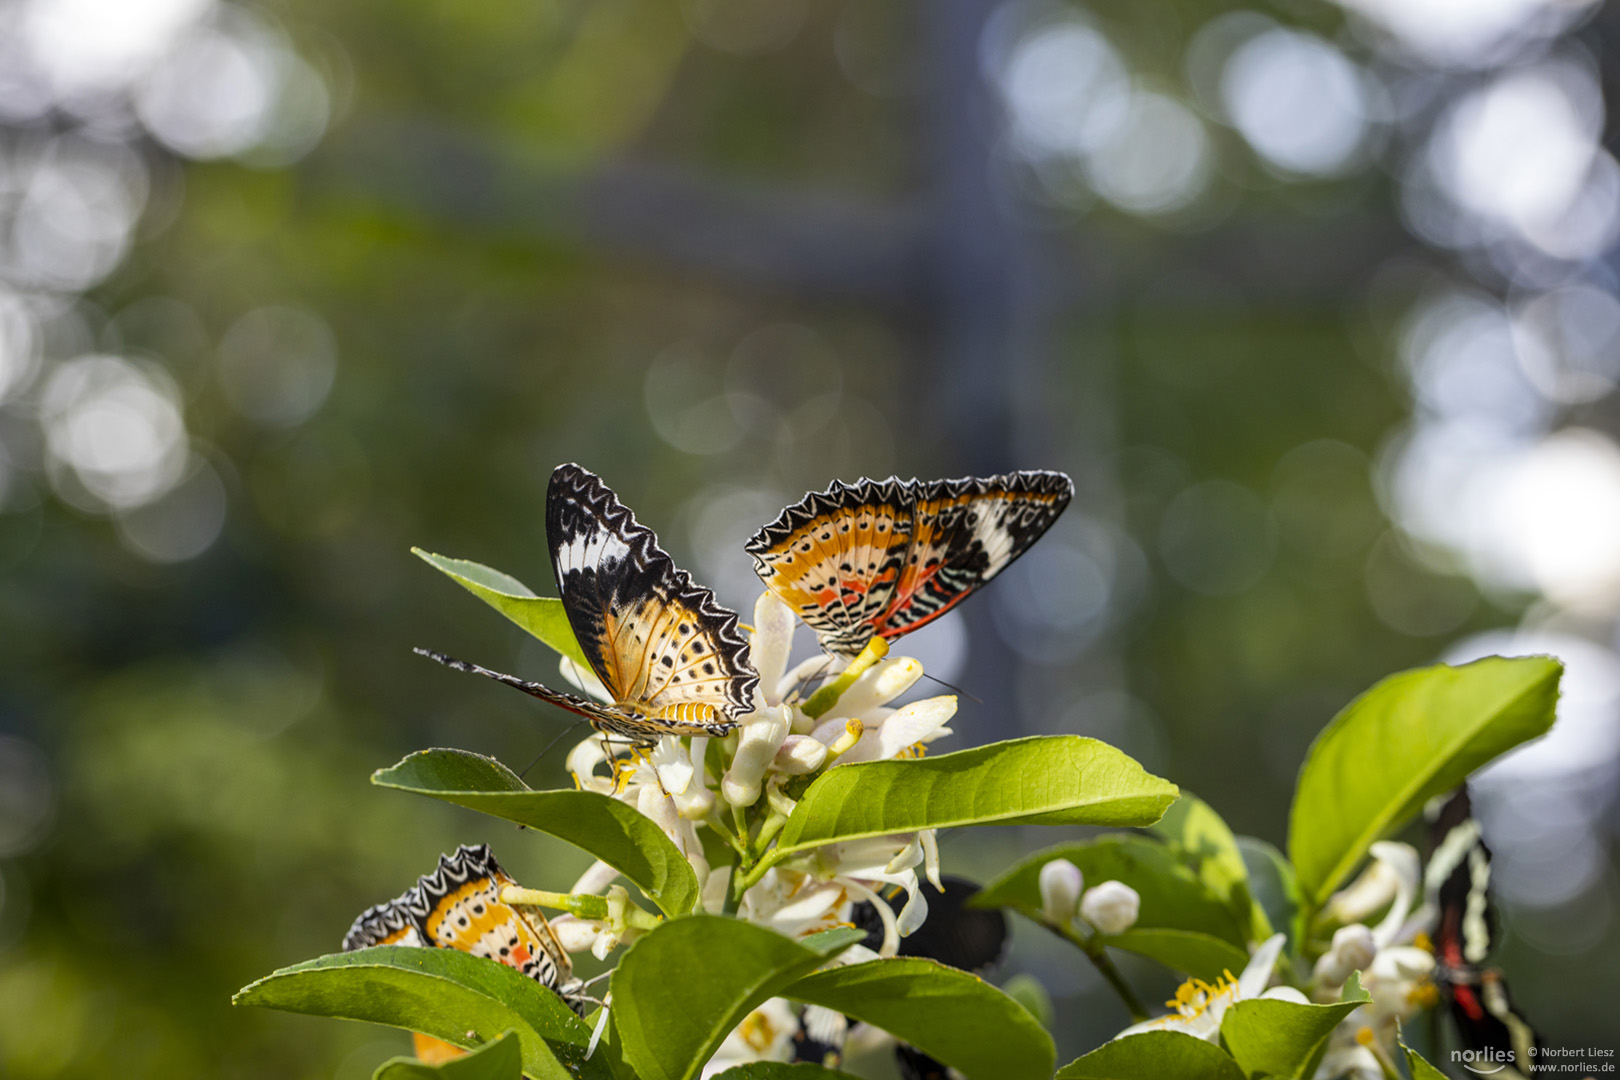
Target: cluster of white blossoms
(1394,965)
(687,785)
(1109,908)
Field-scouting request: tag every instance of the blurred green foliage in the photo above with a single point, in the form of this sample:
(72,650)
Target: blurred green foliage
(209,727)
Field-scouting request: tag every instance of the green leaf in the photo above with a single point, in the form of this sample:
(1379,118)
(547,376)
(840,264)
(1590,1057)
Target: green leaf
(680,990)
(1045,780)
(950,1015)
(1154,1055)
(1030,992)
(1188,951)
(1199,834)
(1275,888)
(451,995)
(1411,737)
(542,616)
(501,1059)
(1419,1067)
(617,834)
(777,1070)
(1181,923)
(1284,1038)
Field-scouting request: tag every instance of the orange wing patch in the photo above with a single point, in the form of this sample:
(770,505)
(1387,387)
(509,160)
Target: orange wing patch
(883,558)
(459,906)
(836,557)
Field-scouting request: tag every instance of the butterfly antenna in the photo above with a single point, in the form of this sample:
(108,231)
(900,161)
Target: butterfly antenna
(952,686)
(554,741)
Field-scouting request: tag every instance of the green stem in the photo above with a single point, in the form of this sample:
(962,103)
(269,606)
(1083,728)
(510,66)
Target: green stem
(768,831)
(717,823)
(753,873)
(585,905)
(733,894)
(828,695)
(1097,953)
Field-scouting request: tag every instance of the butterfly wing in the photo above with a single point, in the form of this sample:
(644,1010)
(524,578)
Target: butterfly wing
(835,558)
(966,532)
(659,642)
(1458,881)
(459,906)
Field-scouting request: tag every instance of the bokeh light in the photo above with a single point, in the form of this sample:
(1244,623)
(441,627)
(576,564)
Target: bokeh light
(1302,105)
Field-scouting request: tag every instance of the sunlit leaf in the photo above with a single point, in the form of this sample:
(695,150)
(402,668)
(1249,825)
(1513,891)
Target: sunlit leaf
(680,990)
(1196,832)
(1409,738)
(451,995)
(501,1059)
(617,834)
(542,616)
(1045,780)
(1181,923)
(1154,1055)
(950,1015)
(1285,1039)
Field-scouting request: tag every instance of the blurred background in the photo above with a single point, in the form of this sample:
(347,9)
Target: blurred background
(1318,305)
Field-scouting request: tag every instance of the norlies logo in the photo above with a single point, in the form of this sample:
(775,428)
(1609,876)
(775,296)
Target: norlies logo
(1486,1061)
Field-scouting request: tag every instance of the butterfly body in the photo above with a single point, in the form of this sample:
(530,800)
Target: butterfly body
(459,906)
(671,658)
(883,558)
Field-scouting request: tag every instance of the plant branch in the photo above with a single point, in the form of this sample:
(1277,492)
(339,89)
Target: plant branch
(1097,953)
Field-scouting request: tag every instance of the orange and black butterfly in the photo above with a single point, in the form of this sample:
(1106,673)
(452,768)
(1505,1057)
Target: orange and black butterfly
(1458,881)
(459,906)
(880,558)
(670,656)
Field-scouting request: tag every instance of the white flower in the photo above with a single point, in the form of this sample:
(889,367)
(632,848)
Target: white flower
(1353,949)
(1199,1006)
(1400,981)
(770,645)
(1392,879)
(766,1034)
(1111,907)
(800,755)
(760,736)
(1061,886)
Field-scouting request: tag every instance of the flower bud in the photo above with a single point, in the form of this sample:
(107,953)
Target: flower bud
(1353,949)
(1061,883)
(574,934)
(800,755)
(759,738)
(1111,907)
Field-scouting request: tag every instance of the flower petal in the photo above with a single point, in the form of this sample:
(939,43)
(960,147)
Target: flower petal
(673,765)
(759,738)
(772,642)
(879,685)
(596,879)
(1258,972)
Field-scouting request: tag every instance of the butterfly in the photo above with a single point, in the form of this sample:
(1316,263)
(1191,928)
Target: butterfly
(883,557)
(670,656)
(459,906)
(1458,880)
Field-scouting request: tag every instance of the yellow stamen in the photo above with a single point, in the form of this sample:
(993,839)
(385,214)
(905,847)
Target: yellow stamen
(1194,995)
(1423,941)
(1366,1036)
